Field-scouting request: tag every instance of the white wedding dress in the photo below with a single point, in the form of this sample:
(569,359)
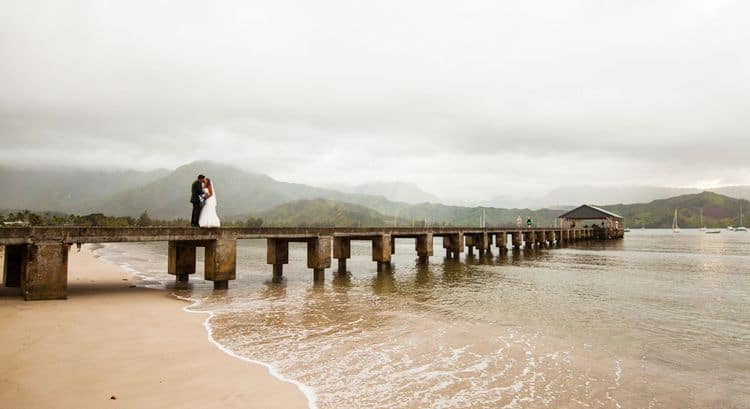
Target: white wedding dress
(209,218)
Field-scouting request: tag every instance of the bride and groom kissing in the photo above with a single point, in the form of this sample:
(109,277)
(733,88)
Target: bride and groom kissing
(203,198)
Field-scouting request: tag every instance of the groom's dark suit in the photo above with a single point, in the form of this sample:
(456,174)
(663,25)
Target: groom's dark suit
(195,199)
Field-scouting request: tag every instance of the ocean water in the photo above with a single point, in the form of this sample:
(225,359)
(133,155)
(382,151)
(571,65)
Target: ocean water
(656,320)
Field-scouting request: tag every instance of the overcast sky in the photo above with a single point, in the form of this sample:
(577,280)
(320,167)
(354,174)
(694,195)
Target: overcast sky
(468,99)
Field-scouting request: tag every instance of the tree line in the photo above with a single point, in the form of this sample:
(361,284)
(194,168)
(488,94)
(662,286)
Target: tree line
(28,218)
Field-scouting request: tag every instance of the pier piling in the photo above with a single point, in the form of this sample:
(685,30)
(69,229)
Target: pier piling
(221,262)
(181,260)
(424,247)
(45,275)
(277,254)
(319,256)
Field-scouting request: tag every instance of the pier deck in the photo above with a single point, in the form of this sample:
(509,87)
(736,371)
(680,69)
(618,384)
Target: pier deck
(36,258)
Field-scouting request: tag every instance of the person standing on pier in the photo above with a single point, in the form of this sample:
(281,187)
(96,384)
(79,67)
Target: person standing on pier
(208,217)
(529,222)
(196,198)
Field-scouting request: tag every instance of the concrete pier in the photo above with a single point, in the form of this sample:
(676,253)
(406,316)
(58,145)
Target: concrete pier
(529,239)
(382,251)
(424,247)
(277,254)
(517,238)
(45,274)
(181,259)
(319,256)
(221,262)
(501,242)
(342,250)
(453,245)
(35,258)
(481,241)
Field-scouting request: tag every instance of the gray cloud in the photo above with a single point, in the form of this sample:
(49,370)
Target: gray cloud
(466,99)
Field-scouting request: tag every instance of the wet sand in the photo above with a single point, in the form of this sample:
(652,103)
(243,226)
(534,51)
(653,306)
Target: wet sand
(137,345)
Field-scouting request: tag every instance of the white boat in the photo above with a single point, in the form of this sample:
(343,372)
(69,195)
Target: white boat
(703,226)
(730,228)
(740,227)
(675,227)
(713,231)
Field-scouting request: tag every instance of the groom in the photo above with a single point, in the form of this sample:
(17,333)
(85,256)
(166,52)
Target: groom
(195,198)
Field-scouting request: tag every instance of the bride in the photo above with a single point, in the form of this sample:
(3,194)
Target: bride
(208,216)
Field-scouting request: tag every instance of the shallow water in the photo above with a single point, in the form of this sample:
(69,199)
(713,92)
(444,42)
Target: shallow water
(657,320)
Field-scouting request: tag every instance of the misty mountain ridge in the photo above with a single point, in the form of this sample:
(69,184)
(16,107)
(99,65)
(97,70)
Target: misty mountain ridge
(241,193)
(718,211)
(569,196)
(395,191)
(66,189)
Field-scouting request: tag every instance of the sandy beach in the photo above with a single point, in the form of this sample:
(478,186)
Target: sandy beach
(114,345)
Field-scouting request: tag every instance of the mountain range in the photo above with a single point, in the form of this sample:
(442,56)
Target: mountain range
(241,194)
(718,211)
(567,196)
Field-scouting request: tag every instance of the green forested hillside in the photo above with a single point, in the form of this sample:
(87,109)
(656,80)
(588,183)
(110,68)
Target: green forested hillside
(241,194)
(718,211)
(238,193)
(321,213)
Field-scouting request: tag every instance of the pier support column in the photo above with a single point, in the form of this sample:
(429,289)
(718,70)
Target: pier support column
(319,256)
(45,274)
(454,245)
(381,251)
(517,240)
(529,239)
(501,241)
(14,261)
(487,240)
(181,260)
(480,241)
(221,262)
(424,247)
(277,254)
(469,243)
(541,238)
(342,250)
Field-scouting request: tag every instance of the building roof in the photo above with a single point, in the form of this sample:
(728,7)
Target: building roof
(589,212)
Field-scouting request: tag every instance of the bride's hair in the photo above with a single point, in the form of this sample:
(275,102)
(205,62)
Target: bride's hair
(208,182)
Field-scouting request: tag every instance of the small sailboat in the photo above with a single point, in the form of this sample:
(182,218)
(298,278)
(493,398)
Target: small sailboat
(713,231)
(740,227)
(675,227)
(703,226)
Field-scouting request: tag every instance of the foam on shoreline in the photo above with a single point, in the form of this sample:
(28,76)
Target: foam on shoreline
(306,390)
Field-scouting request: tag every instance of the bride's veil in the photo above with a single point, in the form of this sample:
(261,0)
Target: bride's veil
(213,188)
